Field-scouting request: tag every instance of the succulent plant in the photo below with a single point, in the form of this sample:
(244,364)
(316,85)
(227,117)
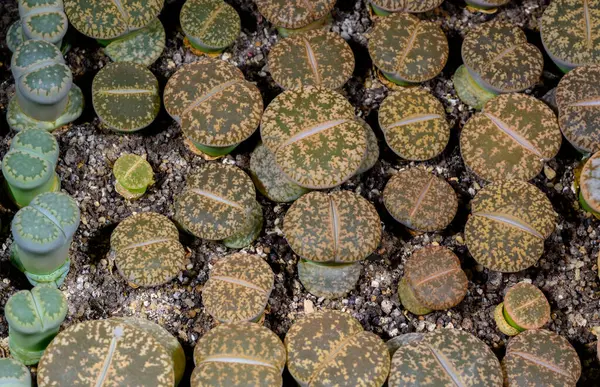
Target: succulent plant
(372,155)
(42,234)
(387,7)
(240,353)
(39,20)
(511,138)
(146,249)
(408,50)
(143,46)
(540,357)
(34,318)
(29,166)
(238,288)
(133,175)
(14,374)
(487,5)
(331,348)
(317,58)
(210,25)
(525,307)
(509,222)
(215,106)
(296,16)
(420,200)
(589,185)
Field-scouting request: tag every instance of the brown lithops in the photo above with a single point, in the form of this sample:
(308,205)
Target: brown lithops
(387,7)
(524,307)
(292,16)
(589,185)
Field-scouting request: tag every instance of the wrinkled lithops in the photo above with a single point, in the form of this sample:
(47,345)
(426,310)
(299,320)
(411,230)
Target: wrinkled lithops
(242,353)
(133,175)
(420,200)
(125,96)
(509,222)
(146,249)
(331,348)
(433,280)
(39,20)
(589,185)
(445,357)
(414,124)
(34,318)
(524,307)
(14,373)
(540,358)
(387,7)
(42,234)
(489,5)
(317,58)
(143,47)
(210,25)
(511,138)
(331,233)
(296,16)
(407,49)
(215,106)
(238,288)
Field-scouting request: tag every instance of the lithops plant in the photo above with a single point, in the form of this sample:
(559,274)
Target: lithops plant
(14,373)
(240,353)
(408,50)
(524,307)
(133,175)
(39,20)
(540,357)
(331,348)
(34,318)
(210,25)
(589,185)
(486,5)
(143,46)
(146,249)
(42,234)
(511,138)
(420,200)
(387,7)
(509,222)
(331,233)
(295,16)
(215,106)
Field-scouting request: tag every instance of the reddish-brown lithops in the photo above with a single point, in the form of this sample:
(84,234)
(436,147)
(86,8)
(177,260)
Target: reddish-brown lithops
(589,185)
(292,16)
(387,7)
(524,307)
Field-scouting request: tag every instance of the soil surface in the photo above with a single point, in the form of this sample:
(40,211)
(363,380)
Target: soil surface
(567,272)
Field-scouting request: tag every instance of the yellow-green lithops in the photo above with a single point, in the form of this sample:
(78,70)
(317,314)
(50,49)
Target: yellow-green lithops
(294,16)
(210,25)
(589,185)
(524,307)
(133,175)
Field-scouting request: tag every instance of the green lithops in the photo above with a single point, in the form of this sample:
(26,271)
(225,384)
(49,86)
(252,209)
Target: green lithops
(540,358)
(133,175)
(331,233)
(509,222)
(14,373)
(215,106)
(146,249)
(387,7)
(414,124)
(511,138)
(242,353)
(407,49)
(525,307)
(143,46)
(317,58)
(39,20)
(330,348)
(34,318)
(420,200)
(210,25)
(238,288)
(294,16)
(589,185)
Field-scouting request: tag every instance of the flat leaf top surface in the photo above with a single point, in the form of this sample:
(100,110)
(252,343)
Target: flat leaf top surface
(578,101)
(315,137)
(133,171)
(527,306)
(211,23)
(41,309)
(511,138)
(109,19)
(589,182)
(294,13)
(403,45)
(33,54)
(411,6)
(143,47)
(498,53)
(14,373)
(316,57)
(238,288)
(542,358)
(45,20)
(340,227)
(213,103)
(414,124)
(420,200)
(509,222)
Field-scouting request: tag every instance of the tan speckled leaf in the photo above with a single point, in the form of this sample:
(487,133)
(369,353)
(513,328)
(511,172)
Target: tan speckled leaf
(527,306)
(294,13)
(210,23)
(372,147)
(589,182)
(328,281)
(411,6)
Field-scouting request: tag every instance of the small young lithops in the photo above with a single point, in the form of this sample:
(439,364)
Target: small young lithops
(525,307)
(125,96)
(34,318)
(486,5)
(210,25)
(387,7)
(408,50)
(216,107)
(317,58)
(420,200)
(511,138)
(295,16)
(133,175)
(39,20)
(13,373)
(509,222)
(540,358)
(238,288)
(589,185)
(242,353)
(322,229)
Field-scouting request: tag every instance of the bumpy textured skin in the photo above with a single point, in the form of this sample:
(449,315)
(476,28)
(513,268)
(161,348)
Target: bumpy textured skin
(108,353)
(527,306)
(144,46)
(294,14)
(328,281)
(511,138)
(420,200)
(210,23)
(125,96)
(372,155)
(316,57)
(313,133)
(410,6)
(414,124)
(225,356)
(330,348)
(133,171)
(541,358)
(213,103)
(509,222)
(43,20)
(409,48)
(589,182)
(445,357)
(14,374)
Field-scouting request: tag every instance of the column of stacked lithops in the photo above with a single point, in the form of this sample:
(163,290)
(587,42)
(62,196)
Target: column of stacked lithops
(39,20)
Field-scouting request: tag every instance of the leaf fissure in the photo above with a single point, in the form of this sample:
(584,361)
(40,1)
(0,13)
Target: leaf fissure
(50,217)
(517,137)
(594,101)
(313,130)
(528,303)
(445,364)
(534,359)
(409,44)
(216,198)
(413,119)
(126,91)
(210,94)
(233,359)
(237,281)
(312,60)
(588,24)
(512,221)
(211,19)
(147,243)
(133,167)
(435,276)
(335,226)
(329,358)
(38,310)
(122,11)
(117,334)
(421,197)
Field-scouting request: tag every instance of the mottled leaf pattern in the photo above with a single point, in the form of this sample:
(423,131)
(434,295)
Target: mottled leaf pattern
(143,47)
(328,281)
(527,306)
(294,13)
(43,20)
(411,6)
(210,23)
(589,182)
